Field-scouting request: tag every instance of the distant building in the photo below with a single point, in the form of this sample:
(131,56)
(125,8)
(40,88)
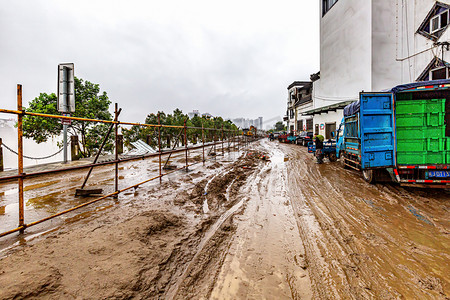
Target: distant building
(207,115)
(246,123)
(193,114)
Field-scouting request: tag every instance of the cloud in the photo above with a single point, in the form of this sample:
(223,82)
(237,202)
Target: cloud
(233,58)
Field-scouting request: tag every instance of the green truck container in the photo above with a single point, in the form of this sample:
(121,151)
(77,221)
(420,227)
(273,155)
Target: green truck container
(421,131)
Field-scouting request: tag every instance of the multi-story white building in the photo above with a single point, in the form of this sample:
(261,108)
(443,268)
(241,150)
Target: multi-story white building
(299,101)
(374,45)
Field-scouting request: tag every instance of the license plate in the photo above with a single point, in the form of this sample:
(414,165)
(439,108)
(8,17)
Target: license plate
(439,174)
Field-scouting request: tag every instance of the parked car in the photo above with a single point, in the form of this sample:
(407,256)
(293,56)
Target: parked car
(282,137)
(304,138)
(291,139)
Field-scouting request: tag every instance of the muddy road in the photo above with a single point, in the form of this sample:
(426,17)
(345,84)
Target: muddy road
(244,228)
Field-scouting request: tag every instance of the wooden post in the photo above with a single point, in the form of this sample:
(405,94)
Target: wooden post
(159,146)
(74,148)
(1,156)
(20,156)
(120,143)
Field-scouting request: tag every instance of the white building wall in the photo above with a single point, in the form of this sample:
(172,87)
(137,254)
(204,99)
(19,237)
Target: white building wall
(330,117)
(394,38)
(345,52)
(301,110)
(363,45)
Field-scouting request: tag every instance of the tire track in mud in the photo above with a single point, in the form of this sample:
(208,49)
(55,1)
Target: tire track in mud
(354,220)
(197,276)
(266,257)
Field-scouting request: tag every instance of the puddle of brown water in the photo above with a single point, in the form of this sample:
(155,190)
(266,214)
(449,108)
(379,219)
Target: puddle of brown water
(39,185)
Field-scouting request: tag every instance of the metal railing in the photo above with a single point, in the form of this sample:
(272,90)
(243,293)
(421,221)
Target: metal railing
(232,136)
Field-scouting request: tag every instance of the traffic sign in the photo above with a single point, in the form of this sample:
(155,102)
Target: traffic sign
(66,121)
(66,88)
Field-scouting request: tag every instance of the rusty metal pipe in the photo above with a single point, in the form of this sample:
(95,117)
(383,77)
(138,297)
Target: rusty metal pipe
(17,112)
(20,156)
(6,178)
(159,145)
(100,149)
(22,227)
(116,150)
(185,144)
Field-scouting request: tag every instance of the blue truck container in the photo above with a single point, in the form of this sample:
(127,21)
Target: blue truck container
(399,135)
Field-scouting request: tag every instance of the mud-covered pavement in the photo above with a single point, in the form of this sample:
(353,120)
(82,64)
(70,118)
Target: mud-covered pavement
(245,229)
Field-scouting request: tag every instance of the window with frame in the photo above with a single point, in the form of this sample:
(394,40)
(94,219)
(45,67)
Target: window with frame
(327,5)
(439,73)
(299,125)
(436,69)
(309,124)
(439,21)
(436,21)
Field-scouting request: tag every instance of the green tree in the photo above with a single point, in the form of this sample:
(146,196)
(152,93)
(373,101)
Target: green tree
(279,126)
(169,135)
(89,103)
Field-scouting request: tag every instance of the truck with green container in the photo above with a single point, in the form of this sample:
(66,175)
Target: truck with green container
(399,135)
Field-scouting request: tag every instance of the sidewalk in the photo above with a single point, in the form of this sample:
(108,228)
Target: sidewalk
(56,166)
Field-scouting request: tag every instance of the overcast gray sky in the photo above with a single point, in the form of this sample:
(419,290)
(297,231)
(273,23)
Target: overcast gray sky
(229,58)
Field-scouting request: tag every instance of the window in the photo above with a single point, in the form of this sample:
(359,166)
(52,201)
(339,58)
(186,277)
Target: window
(299,125)
(329,128)
(436,69)
(309,124)
(436,21)
(327,5)
(439,21)
(439,73)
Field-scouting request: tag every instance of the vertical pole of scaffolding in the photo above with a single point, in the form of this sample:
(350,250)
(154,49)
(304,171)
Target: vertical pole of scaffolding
(185,144)
(233,141)
(159,145)
(203,142)
(20,156)
(223,153)
(116,151)
(214,137)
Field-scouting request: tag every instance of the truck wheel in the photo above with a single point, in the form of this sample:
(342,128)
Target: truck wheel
(304,143)
(369,176)
(342,160)
(332,157)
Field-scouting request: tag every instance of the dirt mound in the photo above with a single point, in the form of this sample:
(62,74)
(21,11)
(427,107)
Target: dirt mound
(158,221)
(222,189)
(215,165)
